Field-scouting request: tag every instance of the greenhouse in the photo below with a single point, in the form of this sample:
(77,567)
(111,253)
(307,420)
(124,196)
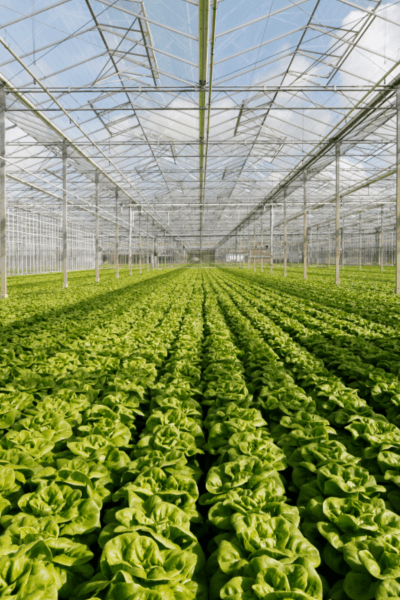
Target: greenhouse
(199,300)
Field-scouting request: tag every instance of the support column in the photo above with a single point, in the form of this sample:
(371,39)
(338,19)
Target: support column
(154,254)
(284,235)
(381,240)
(130,239)
(96,234)
(3,215)
(272,239)
(337,219)
(262,242)
(317,246)
(305,241)
(116,236)
(65,223)
(359,241)
(140,242)
(397,290)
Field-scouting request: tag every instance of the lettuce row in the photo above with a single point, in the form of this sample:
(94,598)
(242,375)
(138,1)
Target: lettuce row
(359,294)
(37,359)
(380,388)
(259,551)
(40,320)
(344,510)
(35,298)
(328,319)
(148,547)
(63,456)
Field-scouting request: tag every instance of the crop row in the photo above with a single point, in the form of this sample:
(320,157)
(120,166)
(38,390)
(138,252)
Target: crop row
(65,448)
(257,550)
(35,298)
(190,447)
(361,364)
(344,457)
(358,295)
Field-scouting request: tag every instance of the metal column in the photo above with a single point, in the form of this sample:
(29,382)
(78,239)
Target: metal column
(397,290)
(65,223)
(305,242)
(3,223)
(272,238)
(381,240)
(359,241)
(337,220)
(130,240)
(140,242)
(96,234)
(154,254)
(262,242)
(116,236)
(317,247)
(284,235)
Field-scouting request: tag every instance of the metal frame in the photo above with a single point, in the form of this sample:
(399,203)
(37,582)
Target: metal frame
(187,121)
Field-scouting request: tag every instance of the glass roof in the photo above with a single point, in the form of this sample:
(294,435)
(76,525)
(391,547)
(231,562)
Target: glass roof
(202,114)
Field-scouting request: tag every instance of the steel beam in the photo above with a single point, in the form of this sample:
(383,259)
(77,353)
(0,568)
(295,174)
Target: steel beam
(272,239)
(130,240)
(64,216)
(140,242)
(96,242)
(398,190)
(203,54)
(381,240)
(340,131)
(3,198)
(52,126)
(305,240)
(284,235)
(262,244)
(116,236)
(337,217)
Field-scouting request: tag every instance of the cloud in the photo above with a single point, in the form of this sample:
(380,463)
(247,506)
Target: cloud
(382,37)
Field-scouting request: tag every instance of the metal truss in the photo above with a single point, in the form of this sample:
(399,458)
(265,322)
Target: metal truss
(202,113)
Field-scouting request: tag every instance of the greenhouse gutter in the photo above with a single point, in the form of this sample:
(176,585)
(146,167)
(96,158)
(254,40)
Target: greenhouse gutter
(203,52)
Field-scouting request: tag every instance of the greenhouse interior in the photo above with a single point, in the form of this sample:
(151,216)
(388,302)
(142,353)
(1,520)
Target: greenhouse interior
(200,300)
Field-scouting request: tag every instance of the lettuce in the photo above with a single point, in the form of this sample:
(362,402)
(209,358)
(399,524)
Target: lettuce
(243,502)
(76,514)
(248,471)
(166,438)
(268,578)
(148,560)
